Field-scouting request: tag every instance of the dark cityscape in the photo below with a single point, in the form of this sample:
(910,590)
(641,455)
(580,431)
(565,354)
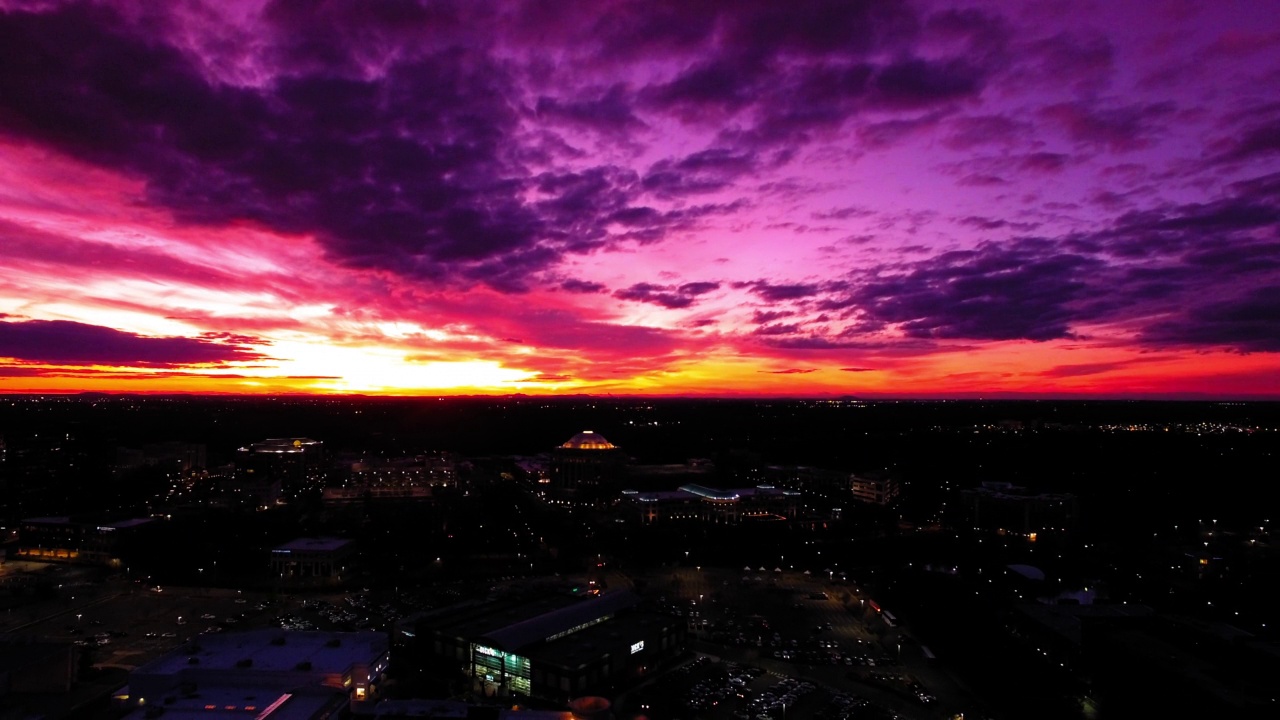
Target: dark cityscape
(629,558)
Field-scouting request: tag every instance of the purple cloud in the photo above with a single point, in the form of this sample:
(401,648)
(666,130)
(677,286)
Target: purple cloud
(782,292)
(668,296)
(73,343)
(582,286)
(1121,128)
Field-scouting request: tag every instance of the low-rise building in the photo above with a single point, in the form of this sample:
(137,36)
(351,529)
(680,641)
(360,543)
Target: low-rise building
(84,541)
(313,561)
(260,674)
(711,505)
(1002,507)
(552,645)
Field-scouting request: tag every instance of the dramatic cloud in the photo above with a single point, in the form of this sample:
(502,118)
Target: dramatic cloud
(71,343)
(730,196)
(668,296)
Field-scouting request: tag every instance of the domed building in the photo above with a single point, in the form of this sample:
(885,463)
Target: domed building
(588,440)
(586,468)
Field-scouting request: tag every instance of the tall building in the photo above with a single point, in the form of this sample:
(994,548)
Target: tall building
(586,468)
(875,490)
(277,468)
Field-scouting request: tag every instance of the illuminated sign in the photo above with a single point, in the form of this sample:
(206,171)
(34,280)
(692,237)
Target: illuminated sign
(637,647)
(490,651)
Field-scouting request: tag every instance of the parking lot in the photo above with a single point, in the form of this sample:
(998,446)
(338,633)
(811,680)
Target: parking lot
(840,658)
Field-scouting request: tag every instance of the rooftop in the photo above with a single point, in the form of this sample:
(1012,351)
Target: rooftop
(235,702)
(588,440)
(561,621)
(272,650)
(313,545)
(284,445)
(614,636)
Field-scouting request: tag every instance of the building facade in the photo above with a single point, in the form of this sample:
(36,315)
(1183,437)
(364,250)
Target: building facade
(874,490)
(313,561)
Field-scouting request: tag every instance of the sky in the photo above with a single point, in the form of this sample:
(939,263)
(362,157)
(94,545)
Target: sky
(865,198)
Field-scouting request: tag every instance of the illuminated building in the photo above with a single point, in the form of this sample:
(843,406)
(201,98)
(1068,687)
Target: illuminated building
(395,479)
(275,468)
(260,674)
(586,468)
(80,541)
(874,490)
(552,645)
(709,505)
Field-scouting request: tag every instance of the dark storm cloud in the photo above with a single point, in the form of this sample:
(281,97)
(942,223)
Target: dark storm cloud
(760,317)
(992,293)
(786,72)
(415,169)
(1045,162)
(406,172)
(1259,141)
(610,112)
(778,329)
(781,292)
(396,133)
(986,223)
(1118,128)
(702,172)
(965,133)
(1087,63)
(920,83)
(668,296)
(65,342)
(582,286)
(1189,275)
(1250,323)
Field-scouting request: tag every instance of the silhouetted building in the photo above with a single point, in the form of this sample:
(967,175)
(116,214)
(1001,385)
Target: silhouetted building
(586,468)
(1006,508)
(1175,667)
(171,456)
(34,666)
(313,561)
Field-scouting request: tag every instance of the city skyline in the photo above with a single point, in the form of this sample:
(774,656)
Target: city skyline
(803,199)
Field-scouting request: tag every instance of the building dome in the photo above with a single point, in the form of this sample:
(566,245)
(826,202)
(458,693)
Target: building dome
(588,440)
